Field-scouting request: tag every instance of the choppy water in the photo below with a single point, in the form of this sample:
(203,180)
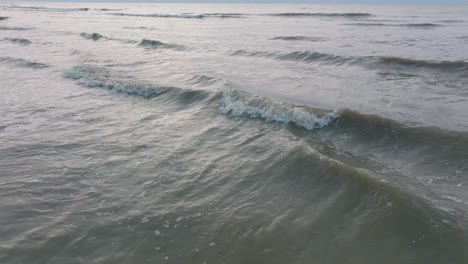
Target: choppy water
(138,133)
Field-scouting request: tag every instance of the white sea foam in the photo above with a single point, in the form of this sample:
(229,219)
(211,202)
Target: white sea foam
(236,104)
(93,77)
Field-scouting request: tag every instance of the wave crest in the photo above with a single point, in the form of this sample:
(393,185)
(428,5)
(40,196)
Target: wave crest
(367,61)
(155,44)
(97,77)
(93,36)
(237,104)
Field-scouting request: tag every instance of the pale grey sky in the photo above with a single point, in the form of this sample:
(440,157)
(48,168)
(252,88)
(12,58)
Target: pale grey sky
(272,1)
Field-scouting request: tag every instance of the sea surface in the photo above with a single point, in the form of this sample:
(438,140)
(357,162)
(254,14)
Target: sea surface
(217,133)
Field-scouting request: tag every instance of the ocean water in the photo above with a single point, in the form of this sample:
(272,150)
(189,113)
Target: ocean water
(216,133)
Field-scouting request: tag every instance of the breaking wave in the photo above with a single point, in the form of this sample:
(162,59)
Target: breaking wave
(99,77)
(147,43)
(4,18)
(236,103)
(19,62)
(93,36)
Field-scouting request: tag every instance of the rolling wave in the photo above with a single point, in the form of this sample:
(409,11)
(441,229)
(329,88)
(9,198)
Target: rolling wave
(346,15)
(370,61)
(93,36)
(4,18)
(236,103)
(143,28)
(243,104)
(49,9)
(96,36)
(187,16)
(13,28)
(302,56)
(147,43)
(99,77)
(155,44)
(19,62)
(298,38)
(441,65)
(20,41)
(160,15)
(108,9)
(224,15)
(409,25)
(240,15)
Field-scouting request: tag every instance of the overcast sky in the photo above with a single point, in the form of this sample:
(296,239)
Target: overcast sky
(273,1)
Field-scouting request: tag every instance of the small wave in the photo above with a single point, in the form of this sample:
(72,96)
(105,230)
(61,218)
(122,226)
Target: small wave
(298,38)
(49,9)
(18,62)
(107,9)
(93,36)
(421,25)
(348,15)
(140,28)
(369,61)
(159,15)
(452,21)
(301,56)
(13,28)
(4,18)
(155,44)
(97,77)
(224,15)
(410,25)
(442,65)
(237,104)
(20,41)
